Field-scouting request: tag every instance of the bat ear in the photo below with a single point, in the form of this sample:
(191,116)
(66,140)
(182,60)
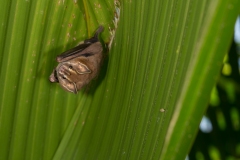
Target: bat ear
(81,68)
(68,86)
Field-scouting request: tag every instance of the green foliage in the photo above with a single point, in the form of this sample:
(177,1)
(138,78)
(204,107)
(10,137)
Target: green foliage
(147,102)
(223,112)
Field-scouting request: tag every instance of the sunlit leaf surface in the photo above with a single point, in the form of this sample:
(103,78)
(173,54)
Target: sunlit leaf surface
(152,91)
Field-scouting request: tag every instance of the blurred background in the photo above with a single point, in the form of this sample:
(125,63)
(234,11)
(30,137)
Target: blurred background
(219,132)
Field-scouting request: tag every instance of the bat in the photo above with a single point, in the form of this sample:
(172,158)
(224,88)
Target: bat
(79,65)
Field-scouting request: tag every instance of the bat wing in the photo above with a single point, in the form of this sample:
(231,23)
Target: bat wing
(77,51)
(72,53)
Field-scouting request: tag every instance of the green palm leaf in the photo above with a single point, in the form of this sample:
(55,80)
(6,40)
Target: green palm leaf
(149,98)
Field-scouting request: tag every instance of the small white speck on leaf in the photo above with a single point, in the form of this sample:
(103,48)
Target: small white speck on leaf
(162,110)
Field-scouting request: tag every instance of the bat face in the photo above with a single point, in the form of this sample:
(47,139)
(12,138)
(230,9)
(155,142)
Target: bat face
(78,66)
